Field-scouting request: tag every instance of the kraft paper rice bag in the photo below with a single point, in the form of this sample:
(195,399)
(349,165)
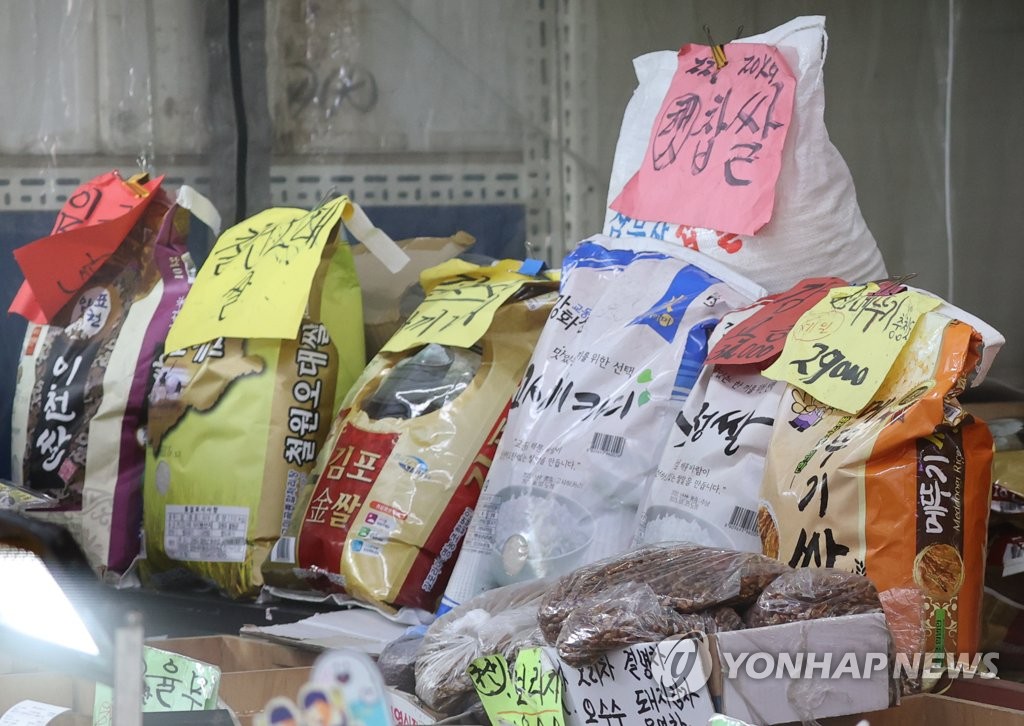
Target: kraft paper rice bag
(79,404)
(398,481)
(237,421)
(898,491)
(620,352)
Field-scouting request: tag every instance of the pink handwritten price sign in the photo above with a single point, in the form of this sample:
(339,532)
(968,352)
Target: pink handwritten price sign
(716,148)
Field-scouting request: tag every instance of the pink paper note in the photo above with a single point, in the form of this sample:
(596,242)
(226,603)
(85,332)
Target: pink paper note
(716,148)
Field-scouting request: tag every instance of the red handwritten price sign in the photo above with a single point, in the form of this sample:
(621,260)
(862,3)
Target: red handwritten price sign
(92,224)
(760,337)
(716,148)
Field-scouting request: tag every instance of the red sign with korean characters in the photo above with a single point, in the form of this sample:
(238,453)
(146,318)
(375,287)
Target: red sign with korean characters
(341,490)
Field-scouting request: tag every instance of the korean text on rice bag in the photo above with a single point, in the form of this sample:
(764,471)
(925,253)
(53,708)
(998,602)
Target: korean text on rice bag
(707,483)
(237,421)
(79,405)
(619,353)
(398,481)
(897,491)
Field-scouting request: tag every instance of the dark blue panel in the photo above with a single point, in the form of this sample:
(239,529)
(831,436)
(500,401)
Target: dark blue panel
(16,229)
(500,229)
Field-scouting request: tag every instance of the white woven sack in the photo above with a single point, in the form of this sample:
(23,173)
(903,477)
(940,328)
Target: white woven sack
(816,228)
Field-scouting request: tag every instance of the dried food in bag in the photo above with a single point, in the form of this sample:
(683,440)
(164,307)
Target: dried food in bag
(623,615)
(687,578)
(502,621)
(808,594)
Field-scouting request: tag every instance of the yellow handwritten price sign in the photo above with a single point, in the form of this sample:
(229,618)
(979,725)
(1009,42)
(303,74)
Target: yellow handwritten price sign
(460,304)
(256,281)
(531,695)
(841,350)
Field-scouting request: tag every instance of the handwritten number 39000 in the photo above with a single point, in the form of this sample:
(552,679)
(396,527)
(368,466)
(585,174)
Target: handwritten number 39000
(831,362)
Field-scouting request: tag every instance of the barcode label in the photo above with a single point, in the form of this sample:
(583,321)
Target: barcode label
(284,551)
(608,444)
(744,520)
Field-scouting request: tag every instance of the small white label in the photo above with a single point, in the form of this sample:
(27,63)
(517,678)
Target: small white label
(204,533)
(284,551)
(91,312)
(548,298)
(1013,559)
(30,713)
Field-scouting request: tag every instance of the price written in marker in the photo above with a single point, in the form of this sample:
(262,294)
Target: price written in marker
(90,227)
(256,281)
(171,682)
(760,338)
(841,350)
(460,304)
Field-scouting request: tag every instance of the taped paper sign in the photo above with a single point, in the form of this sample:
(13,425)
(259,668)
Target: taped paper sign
(256,281)
(841,350)
(760,337)
(460,304)
(716,148)
(529,696)
(663,683)
(172,682)
(91,225)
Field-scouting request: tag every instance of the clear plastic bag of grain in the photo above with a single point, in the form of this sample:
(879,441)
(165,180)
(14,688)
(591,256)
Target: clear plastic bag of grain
(499,621)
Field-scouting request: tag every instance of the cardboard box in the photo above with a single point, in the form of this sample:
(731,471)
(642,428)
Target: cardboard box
(934,710)
(684,681)
(252,671)
(779,700)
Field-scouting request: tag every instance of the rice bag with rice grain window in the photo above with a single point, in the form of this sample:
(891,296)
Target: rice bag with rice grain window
(79,403)
(400,475)
(620,352)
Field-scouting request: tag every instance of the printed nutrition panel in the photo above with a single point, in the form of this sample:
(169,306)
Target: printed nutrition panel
(206,533)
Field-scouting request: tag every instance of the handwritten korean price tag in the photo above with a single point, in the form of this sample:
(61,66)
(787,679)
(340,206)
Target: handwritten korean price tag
(841,350)
(716,147)
(460,304)
(760,337)
(256,281)
(172,682)
(529,696)
(90,227)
